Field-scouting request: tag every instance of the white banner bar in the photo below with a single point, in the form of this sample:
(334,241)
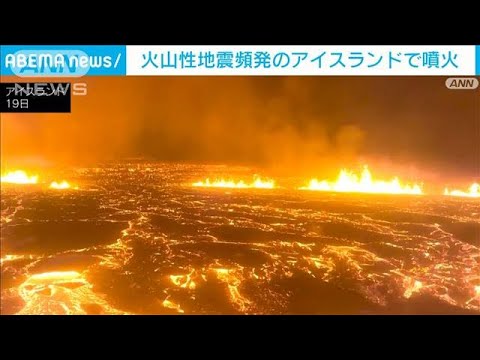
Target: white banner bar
(266,60)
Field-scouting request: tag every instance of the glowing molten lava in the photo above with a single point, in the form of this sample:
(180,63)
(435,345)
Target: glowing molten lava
(171,305)
(473,191)
(61,293)
(258,183)
(61,185)
(19,177)
(411,286)
(348,181)
(233,279)
(184,281)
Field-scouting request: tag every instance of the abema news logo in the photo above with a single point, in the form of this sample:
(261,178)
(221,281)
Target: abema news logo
(66,61)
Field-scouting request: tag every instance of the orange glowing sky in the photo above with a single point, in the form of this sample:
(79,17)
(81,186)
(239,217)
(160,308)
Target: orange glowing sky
(288,122)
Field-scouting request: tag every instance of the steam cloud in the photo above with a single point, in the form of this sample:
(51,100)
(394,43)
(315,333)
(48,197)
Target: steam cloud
(283,123)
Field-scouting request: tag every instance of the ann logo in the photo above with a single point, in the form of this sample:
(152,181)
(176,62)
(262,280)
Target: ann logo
(462,83)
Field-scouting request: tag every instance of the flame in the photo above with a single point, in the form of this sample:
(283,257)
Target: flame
(473,191)
(258,183)
(19,177)
(348,181)
(61,185)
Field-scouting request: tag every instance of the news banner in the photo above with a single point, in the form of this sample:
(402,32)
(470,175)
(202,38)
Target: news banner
(45,66)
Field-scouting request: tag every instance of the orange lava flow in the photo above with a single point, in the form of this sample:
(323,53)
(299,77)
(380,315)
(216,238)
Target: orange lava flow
(348,181)
(184,281)
(61,293)
(171,305)
(258,183)
(473,191)
(19,177)
(233,281)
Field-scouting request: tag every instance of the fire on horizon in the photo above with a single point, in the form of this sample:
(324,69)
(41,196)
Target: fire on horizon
(22,177)
(19,177)
(62,185)
(347,182)
(473,191)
